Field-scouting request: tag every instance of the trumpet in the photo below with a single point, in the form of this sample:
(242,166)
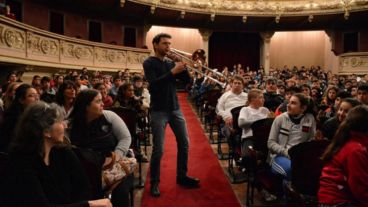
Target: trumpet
(181,55)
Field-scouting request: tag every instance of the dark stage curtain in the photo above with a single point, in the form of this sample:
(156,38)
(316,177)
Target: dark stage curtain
(227,49)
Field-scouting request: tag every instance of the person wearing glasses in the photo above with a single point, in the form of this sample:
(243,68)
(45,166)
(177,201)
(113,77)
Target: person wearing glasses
(24,96)
(41,171)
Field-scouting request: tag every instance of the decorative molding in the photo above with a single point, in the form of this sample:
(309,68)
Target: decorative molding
(24,44)
(205,33)
(110,56)
(12,38)
(136,58)
(356,62)
(260,7)
(76,51)
(266,36)
(40,45)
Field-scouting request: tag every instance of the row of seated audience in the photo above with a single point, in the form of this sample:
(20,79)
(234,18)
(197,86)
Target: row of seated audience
(302,115)
(308,105)
(65,171)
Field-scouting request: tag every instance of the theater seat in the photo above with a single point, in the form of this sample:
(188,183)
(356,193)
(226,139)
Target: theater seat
(130,118)
(259,171)
(306,167)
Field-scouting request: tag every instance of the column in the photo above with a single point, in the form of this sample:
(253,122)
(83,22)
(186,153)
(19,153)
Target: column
(205,33)
(265,50)
(146,29)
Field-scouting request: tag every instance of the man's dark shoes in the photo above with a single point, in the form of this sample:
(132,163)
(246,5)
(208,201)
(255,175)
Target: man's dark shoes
(188,182)
(155,191)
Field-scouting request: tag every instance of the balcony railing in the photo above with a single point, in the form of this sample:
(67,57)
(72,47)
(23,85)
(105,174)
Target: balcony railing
(27,45)
(355,62)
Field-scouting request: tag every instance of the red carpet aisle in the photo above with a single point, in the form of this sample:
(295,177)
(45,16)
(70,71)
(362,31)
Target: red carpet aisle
(215,189)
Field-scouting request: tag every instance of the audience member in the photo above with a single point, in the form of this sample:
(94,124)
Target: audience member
(114,88)
(106,99)
(330,126)
(295,126)
(12,77)
(9,94)
(65,97)
(272,99)
(24,96)
(140,91)
(40,171)
(344,177)
(48,94)
(229,100)
(362,94)
(99,132)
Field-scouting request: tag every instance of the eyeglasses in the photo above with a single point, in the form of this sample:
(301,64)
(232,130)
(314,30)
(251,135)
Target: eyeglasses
(33,95)
(98,101)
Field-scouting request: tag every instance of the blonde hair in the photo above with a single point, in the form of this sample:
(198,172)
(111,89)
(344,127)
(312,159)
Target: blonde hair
(253,94)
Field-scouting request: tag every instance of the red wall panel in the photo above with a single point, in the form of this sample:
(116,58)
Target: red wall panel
(75,25)
(112,32)
(41,20)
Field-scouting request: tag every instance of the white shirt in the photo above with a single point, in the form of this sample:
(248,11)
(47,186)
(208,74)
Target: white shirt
(228,101)
(249,115)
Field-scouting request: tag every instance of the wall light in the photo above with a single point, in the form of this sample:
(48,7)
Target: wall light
(310,18)
(213,17)
(346,14)
(182,14)
(244,19)
(153,8)
(277,18)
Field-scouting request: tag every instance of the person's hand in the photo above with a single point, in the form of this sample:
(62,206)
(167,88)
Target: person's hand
(321,114)
(107,162)
(271,114)
(229,122)
(100,203)
(117,156)
(179,67)
(318,136)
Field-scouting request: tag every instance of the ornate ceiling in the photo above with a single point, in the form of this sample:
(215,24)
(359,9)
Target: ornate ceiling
(258,7)
(226,15)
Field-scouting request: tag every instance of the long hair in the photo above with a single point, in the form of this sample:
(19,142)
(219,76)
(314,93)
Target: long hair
(16,108)
(60,99)
(79,114)
(120,96)
(356,120)
(326,99)
(35,120)
(7,99)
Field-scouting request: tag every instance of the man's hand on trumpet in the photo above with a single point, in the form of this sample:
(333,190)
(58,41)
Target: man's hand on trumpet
(179,67)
